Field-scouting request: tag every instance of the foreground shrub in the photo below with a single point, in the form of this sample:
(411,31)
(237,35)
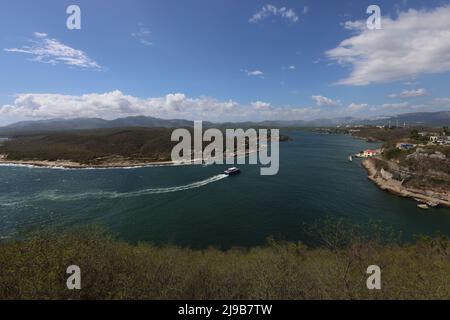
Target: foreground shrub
(35,268)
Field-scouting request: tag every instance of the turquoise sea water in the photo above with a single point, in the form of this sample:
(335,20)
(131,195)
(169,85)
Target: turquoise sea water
(198,207)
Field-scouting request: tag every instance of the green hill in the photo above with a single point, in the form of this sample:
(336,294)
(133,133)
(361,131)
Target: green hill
(95,147)
(92,146)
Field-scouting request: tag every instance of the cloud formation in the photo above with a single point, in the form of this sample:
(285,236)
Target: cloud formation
(401,105)
(115,104)
(416,42)
(324,101)
(143,35)
(111,105)
(255,73)
(358,25)
(51,51)
(442,102)
(272,11)
(405,94)
(357,107)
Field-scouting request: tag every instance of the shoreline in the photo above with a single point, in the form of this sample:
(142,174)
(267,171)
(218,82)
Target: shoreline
(117,164)
(395,187)
(76,165)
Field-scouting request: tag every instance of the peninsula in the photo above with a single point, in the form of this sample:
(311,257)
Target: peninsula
(413,163)
(97,148)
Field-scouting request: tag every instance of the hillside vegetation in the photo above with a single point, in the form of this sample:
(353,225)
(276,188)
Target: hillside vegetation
(425,166)
(91,146)
(96,147)
(384,135)
(35,268)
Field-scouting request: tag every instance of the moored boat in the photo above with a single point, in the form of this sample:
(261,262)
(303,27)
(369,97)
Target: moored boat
(432,204)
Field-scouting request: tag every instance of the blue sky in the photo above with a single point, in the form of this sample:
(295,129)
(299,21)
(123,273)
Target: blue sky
(222,59)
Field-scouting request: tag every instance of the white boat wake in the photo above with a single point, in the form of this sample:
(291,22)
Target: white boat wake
(57,196)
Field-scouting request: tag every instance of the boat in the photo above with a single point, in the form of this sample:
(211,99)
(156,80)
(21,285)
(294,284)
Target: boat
(423,206)
(432,204)
(350,158)
(232,171)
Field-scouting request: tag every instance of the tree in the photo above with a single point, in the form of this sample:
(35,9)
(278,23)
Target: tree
(415,134)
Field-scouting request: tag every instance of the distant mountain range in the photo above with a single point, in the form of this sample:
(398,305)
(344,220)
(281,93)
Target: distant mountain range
(441,118)
(53,125)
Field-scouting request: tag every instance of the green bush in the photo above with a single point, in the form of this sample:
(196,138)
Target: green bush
(35,268)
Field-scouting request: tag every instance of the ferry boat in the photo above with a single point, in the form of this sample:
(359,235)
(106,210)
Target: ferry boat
(232,171)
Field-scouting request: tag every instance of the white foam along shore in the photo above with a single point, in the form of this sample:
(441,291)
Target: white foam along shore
(118,164)
(63,164)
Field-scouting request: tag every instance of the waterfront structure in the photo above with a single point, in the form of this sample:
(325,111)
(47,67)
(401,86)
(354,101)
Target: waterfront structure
(369,153)
(406,146)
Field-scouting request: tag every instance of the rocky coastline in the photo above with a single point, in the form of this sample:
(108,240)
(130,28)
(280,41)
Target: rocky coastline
(112,162)
(385,181)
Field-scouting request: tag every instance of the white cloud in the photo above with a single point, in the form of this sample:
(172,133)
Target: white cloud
(405,107)
(354,25)
(40,35)
(47,50)
(291,68)
(417,42)
(115,104)
(270,10)
(111,105)
(401,105)
(411,83)
(143,35)
(442,102)
(255,73)
(355,107)
(262,106)
(324,101)
(409,94)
